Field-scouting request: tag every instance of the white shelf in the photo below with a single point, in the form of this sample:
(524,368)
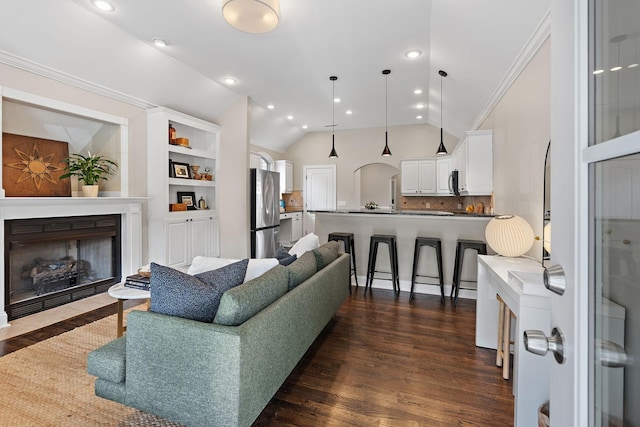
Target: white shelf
(193,152)
(191,182)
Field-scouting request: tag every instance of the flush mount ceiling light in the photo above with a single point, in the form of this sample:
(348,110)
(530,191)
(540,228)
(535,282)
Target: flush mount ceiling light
(420,106)
(413,54)
(289,117)
(417,91)
(252,16)
(348,112)
(271,106)
(103,5)
(229,81)
(333,154)
(386,152)
(160,42)
(442,150)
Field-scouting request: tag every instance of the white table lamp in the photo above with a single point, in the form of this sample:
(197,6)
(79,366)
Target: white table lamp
(509,235)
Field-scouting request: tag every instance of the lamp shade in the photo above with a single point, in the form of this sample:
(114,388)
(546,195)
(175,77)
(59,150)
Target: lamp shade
(509,235)
(252,16)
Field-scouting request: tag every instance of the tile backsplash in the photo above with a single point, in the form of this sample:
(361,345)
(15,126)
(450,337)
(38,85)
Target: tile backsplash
(443,203)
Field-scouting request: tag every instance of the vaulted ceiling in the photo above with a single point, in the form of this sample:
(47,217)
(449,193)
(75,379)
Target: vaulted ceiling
(475,42)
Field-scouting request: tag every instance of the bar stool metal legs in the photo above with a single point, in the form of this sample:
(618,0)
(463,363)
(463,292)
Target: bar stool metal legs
(393,260)
(437,245)
(350,248)
(462,245)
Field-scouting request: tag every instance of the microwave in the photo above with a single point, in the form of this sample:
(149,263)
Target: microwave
(454,187)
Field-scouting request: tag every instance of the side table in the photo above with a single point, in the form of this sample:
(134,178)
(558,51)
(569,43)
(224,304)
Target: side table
(122,293)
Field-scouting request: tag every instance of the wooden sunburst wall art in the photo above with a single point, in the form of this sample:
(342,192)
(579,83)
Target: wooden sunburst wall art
(31,167)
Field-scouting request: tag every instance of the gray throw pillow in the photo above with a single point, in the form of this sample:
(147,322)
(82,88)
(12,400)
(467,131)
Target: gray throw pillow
(301,269)
(193,297)
(326,254)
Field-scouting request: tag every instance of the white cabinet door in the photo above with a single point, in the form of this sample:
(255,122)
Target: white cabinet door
(213,239)
(296,227)
(199,233)
(285,169)
(473,158)
(177,243)
(410,177)
(443,166)
(427,177)
(320,187)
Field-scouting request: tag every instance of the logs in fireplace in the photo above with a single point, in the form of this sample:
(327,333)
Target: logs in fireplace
(53,261)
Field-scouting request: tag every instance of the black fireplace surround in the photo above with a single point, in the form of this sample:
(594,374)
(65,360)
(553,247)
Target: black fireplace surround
(54,261)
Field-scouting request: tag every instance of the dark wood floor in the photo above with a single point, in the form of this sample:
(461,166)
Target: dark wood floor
(381,362)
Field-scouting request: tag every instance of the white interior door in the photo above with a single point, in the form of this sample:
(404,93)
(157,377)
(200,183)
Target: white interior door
(595,125)
(320,187)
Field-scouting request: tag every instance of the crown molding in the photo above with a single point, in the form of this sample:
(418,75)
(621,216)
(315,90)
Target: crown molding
(53,74)
(533,45)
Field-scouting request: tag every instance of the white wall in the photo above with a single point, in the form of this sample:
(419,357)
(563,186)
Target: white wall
(521,124)
(232,176)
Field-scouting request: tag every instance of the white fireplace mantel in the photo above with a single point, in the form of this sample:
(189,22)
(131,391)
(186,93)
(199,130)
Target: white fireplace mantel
(130,208)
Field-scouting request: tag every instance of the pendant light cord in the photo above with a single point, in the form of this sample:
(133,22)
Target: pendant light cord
(386,100)
(440,101)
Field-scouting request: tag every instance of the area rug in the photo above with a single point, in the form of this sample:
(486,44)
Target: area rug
(47,384)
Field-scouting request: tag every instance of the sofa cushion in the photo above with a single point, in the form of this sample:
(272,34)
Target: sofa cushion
(108,362)
(301,269)
(193,297)
(307,243)
(326,254)
(242,302)
(256,266)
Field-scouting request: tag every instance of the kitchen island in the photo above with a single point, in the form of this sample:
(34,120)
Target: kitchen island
(406,226)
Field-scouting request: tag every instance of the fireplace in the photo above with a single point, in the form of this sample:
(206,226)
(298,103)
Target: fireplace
(54,261)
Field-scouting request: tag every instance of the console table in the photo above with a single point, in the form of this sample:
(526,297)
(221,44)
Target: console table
(518,281)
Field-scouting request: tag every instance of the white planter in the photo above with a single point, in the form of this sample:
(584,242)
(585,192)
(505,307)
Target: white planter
(90,190)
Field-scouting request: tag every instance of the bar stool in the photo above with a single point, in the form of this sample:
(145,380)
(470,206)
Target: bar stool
(503,349)
(349,247)
(461,247)
(393,259)
(437,245)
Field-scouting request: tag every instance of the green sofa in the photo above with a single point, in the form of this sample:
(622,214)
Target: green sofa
(224,373)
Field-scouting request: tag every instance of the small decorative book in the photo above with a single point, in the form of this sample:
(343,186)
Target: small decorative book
(138,281)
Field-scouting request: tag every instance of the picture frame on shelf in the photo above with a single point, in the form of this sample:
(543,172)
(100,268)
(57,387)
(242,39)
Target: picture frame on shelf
(181,170)
(188,198)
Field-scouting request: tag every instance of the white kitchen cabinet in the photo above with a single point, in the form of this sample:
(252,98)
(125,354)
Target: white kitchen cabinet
(443,169)
(285,168)
(290,228)
(473,158)
(418,177)
(190,237)
(175,237)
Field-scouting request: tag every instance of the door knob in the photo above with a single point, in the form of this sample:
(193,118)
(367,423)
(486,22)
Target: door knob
(537,342)
(613,355)
(554,280)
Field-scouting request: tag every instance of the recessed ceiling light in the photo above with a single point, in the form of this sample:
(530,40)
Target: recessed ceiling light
(413,54)
(618,68)
(598,72)
(160,42)
(289,117)
(103,5)
(418,117)
(271,106)
(633,65)
(420,106)
(336,100)
(229,81)
(417,91)
(304,126)
(348,112)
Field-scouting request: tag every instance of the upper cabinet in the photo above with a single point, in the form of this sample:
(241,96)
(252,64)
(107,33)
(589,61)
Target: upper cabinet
(473,158)
(285,168)
(443,170)
(418,177)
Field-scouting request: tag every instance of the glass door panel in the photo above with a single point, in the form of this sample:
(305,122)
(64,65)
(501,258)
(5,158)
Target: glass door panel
(614,68)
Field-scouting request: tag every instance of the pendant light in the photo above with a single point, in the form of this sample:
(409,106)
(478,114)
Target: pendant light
(334,153)
(442,150)
(386,152)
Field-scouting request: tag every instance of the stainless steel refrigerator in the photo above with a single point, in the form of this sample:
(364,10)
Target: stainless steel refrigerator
(265,213)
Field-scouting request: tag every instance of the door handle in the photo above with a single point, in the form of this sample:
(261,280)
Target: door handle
(613,355)
(554,280)
(537,342)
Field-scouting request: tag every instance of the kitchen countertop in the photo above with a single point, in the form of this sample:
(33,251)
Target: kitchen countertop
(390,212)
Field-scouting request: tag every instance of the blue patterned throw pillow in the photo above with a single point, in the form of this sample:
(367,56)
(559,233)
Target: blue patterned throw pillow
(193,297)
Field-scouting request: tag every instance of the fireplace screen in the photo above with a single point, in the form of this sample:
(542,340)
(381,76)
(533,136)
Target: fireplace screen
(58,260)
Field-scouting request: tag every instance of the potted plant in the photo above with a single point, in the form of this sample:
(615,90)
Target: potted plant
(89,169)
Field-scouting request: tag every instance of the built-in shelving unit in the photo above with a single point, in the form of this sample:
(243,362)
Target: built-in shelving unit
(176,237)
